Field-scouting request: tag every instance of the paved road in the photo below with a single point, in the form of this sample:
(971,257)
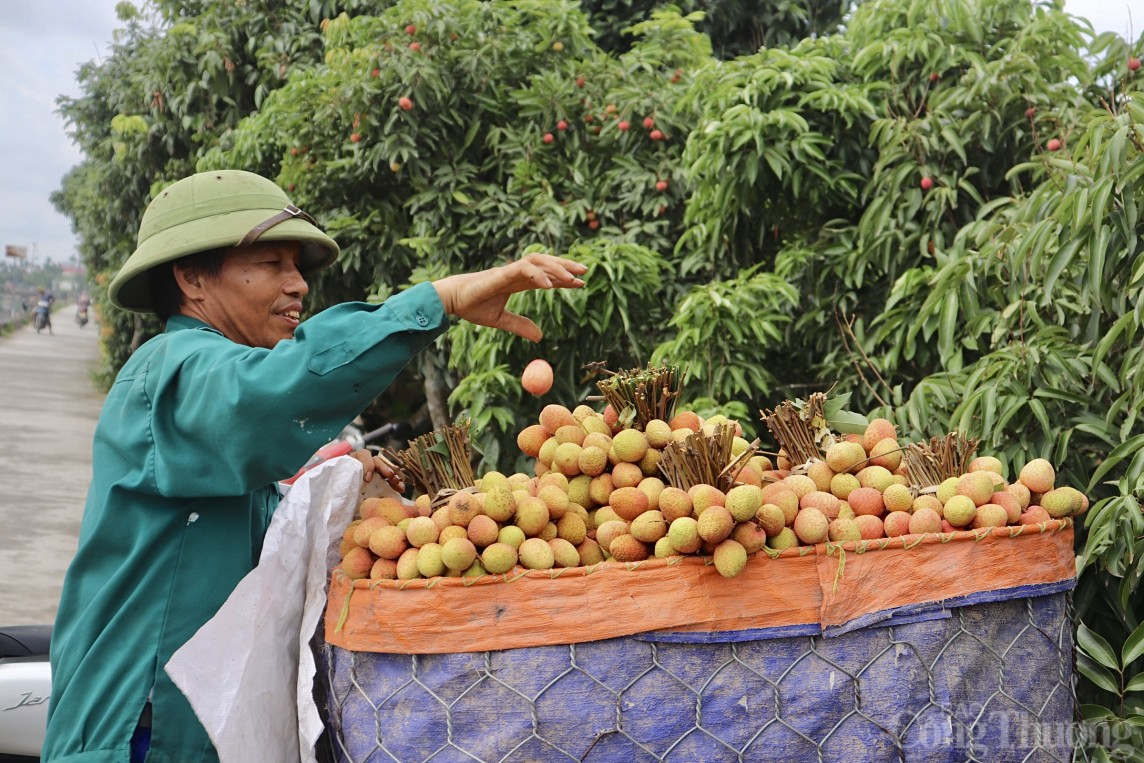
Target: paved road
(48,410)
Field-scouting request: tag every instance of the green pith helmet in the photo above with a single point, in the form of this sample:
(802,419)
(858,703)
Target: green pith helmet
(211,210)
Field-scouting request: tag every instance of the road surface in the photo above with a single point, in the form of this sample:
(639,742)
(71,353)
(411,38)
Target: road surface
(48,409)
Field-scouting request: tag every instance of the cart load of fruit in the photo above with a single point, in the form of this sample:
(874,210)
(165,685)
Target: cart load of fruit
(638,480)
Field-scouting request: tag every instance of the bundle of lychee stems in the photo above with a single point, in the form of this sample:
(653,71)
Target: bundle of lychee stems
(701,459)
(439,461)
(799,431)
(930,464)
(648,394)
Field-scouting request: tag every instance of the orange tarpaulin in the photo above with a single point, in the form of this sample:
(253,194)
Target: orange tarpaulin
(829,584)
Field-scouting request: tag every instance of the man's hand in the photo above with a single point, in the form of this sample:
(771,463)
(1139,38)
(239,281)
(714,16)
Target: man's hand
(371,463)
(482,297)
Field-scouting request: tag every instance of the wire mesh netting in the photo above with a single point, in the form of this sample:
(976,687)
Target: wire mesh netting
(988,682)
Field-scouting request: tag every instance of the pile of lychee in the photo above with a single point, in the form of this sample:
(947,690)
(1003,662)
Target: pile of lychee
(860,490)
(598,494)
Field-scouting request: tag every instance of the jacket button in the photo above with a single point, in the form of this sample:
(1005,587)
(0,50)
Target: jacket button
(422,319)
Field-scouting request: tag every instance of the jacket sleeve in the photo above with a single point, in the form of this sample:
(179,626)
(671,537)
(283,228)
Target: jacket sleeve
(227,418)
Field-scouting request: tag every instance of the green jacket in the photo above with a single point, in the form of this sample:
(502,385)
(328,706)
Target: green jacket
(191,441)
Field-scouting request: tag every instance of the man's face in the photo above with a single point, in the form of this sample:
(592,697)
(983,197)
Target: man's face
(257,296)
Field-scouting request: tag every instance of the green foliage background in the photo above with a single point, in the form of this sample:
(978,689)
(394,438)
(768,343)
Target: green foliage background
(792,251)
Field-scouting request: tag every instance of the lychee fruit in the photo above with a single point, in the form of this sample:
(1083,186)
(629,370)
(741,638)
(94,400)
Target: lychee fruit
(976,485)
(987,464)
(877,477)
(770,517)
(388,542)
(896,523)
(1062,502)
(870,526)
(357,563)
(628,548)
(511,535)
(715,524)
(960,510)
(800,484)
(531,515)
(590,552)
(462,508)
(840,530)
(785,539)
(683,534)
(898,498)
(383,569)
(886,453)
(429,562)
(827,503)
(482,531)
(844,456)
(1038,475)
(1009,502)
(925,521)
(866,500)
(1034,515)
(704,496)
(630,445)
(743,501)
(990,515)
(628,502)
(649,526)
(841,485)
(536,554)
(537,377)
(811,526)
(674,503)
(407,564)
(876,430)
(730,558)
(821,473)
(947,488)
(458,554)
(421,530)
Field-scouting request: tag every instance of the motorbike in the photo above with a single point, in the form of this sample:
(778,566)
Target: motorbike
(43,317)
(81,316)
(25,686)
(26,673)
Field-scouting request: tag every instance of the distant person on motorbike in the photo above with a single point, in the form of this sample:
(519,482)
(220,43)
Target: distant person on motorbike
(43,315)
(201,423)
(81,305)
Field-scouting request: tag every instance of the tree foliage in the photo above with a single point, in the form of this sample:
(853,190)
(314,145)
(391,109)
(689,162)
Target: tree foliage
(754,215)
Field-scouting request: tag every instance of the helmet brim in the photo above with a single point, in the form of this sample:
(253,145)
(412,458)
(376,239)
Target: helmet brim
(130,289)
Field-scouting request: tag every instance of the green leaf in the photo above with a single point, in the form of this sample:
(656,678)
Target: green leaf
(1097,674)
(1096,647)
(1118,454)
(1096,713)
(1136,683)
(1133,647)
(848,422)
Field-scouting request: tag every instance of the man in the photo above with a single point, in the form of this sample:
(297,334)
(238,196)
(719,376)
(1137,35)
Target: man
(201,423)
(43,318)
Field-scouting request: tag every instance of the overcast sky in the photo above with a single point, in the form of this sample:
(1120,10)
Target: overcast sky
(42,44)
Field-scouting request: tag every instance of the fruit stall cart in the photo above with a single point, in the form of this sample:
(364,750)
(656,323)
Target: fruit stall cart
(659,590)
